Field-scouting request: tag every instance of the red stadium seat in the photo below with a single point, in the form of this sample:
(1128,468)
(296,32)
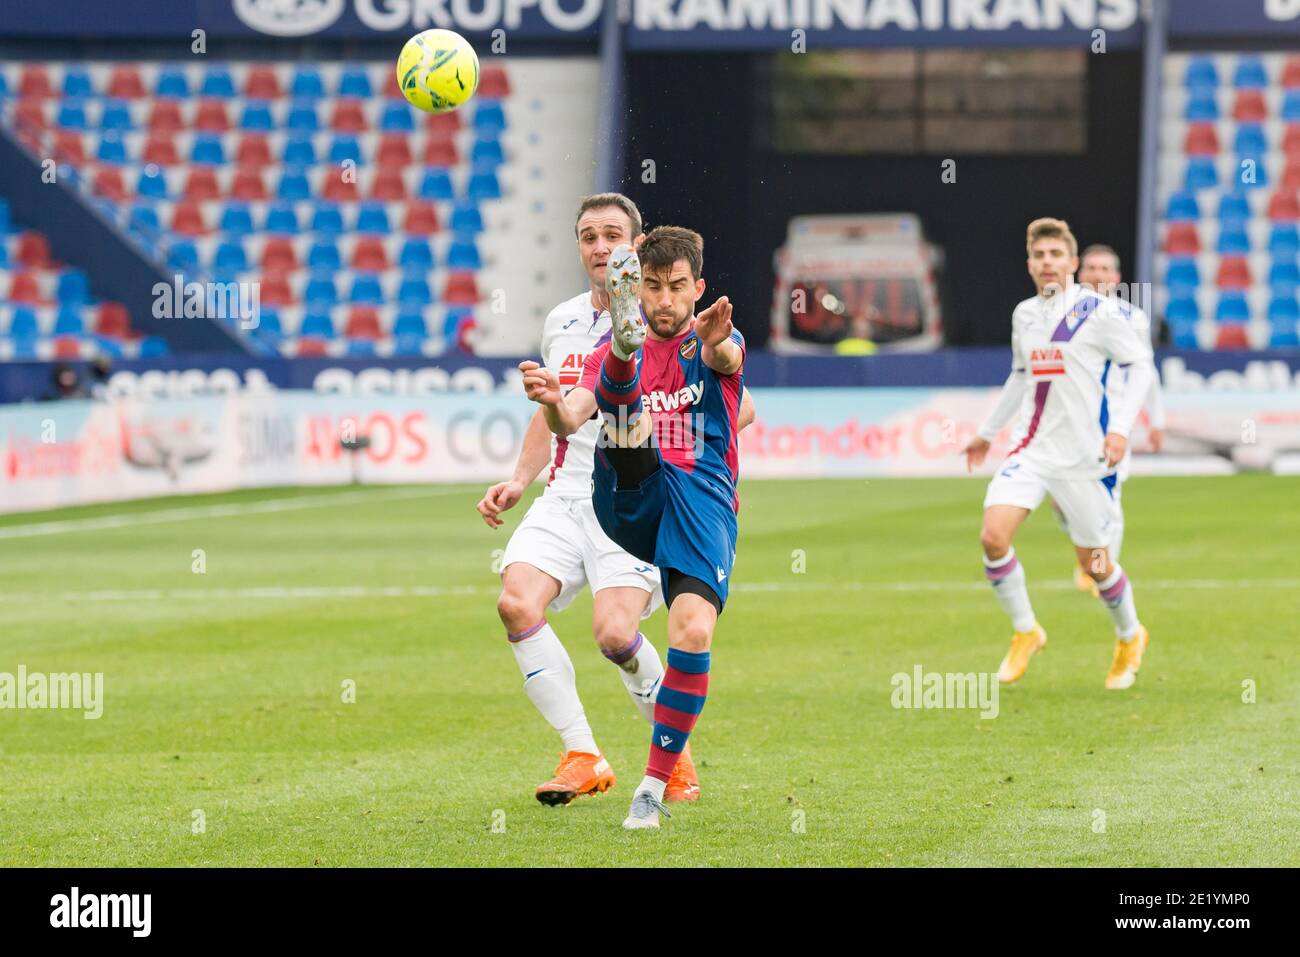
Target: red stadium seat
(363,323)
(126,83)
(67,347)
(1250,107)
(187,218)
(1182,240)
(202,183)
(312,346)
(1231,336)
(394,150)
(108,183)
(1291,73)
(1291,141)
(253,150)
(461,289)
(112,320)
(248,184)
(388,185)
(212,116)
(1233,273)
(33,251)
(335,187)
(31,114)
(421,219)
(25,288)
(35,81)
(69,147)
(160,148)
(368,255)
(440,153)
(278,255)
(1201,140)
(493,83)
(348,117)
(1284,206)
(276,291)
(442,125)
(166,115)
(262,83)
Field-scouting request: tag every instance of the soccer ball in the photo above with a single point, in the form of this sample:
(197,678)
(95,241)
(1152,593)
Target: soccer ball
(437,71)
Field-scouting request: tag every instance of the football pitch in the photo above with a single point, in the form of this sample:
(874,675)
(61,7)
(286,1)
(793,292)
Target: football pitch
(317,677)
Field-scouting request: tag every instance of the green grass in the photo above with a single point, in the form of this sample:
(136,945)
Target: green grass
(228,701)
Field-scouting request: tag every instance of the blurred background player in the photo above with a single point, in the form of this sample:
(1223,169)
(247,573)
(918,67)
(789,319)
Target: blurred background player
(667,465)
(1068,443)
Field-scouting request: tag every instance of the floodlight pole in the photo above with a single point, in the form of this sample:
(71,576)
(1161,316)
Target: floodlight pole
(1154,42)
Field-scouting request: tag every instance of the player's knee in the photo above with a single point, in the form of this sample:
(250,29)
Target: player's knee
(517,612)
(693,637)
(994,541)
(613,636)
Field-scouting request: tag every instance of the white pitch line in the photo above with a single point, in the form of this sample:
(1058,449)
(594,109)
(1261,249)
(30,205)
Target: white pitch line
(233,509)
(438,591)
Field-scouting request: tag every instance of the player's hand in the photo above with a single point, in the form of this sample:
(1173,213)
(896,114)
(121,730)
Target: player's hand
(541,384)
(1157,439)
(497,499)
(975,451)
(713,325)
(1115,446)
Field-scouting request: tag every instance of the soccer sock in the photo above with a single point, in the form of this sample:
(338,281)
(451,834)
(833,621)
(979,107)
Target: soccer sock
(551,685)
(681,699)
(1007,576)
(618,391)
(1117,594)
(641,671)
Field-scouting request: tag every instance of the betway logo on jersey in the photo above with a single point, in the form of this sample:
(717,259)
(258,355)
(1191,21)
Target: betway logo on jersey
(570,371)
(1047,361)
(671,401)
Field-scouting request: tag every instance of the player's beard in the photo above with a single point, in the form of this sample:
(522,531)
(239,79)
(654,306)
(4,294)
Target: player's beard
(662,331)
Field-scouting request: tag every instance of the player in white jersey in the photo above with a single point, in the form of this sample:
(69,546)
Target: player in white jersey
(1068,443)
(559,546)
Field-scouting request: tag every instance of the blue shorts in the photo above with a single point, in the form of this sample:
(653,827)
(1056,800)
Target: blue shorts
(674,519)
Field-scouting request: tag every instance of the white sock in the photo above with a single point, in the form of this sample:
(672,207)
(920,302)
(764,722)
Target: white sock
(551,685)
(641,674)
(653,785)
(1117,595)
(1007,576)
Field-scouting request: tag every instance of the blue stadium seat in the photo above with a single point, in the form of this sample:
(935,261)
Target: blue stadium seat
(463,254)
(230,255)
(1232,307)
(303,118)
(1283,310)
(366,290)
(372,218)
(1201,73)
(24,347)
(317,324)
(23,323)
(1233,240)
(73,287)
(218,82)
(108,346)
(1291,105)
(410,322)
(327,218)
(144,219)
(115,116)
(320,291)
(1202,107)
(415,253)
(68,322)
(1284,240)
(1183,311)
(1281,337)
(487,154)
(408,345)
(71,116)
(1250,140)
(237,219)
(151,182)
(396,117)
(436,185)
(344,148)
(269,328)
(1250,74)
(324,255)
(76,83)
(207,150)
(1284,273)
(489,118)
(293,185)
(299,151)
(184,255)
(466,218)
(111,149)
(153,347)
(1202,173)
(257,117)
(355,81)
(414,291)
(281,218)
(1251,172)
(1234,208)
(307,84)
(1182,274)
(172,83)
(484,185)
(1185,339)
(452,320)
(359,347)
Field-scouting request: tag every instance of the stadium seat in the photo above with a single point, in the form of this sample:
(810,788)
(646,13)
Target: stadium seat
(359,347)
(111,149)
(153,347)
(388,185)
(410,322)
(68,322)
(253,150)
(320,291)
(172,83)
(408,345)
(415,253)
(461,289)
(394,150)
(231,257)
(24,347)
(1290,111)
(421,219)
(299,151)
(489,118)
(278,255)
(1233,273)
(293,185)
(337,188)
(269,328)
(354,81)
(69,147)
(1284,206)
(1291,72)
(1233,240)
(324,254)
(307,84)
(217,82)
(348,116)
(1202,173)
(311,347)
(1182,274)
(73,287)
(363,323)
(366,289)
(488,154)
(1201,72)
(30,115)
(248,185)
(1202,107)
(1283,240)
(23,323)
(281,218)
(317,324)
(1291,140)
(202,183)
(183,255)
(237,219)
(72,116)
(1234,208)
(143,219)
(211,116)
(442,126)
(1183,311)
(436,185)
(484,185)
(111,320)
(302,118)
(187,218)
(493,83)
(207,150)
(262,83)
(414,291)
(1231,336)
(1201,140)
(151,183)
(440,153)
(33,250)
(368,254)
(345,148)
(115,116)
(67,347)
(1283,310)
(466,218)
(1284,273)
(24,287)
(1182,239)
(34,82)
(327,218)
(256,117)
(1250,140)
(1250,74)
(276,290)
(1250,107)
(396,116)
(1282,337)
(76,83)
(1232,308)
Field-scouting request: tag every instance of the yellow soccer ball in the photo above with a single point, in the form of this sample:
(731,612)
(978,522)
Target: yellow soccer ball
(437,71)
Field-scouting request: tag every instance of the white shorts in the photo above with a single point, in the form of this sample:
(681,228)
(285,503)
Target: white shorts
(1090,506)
(563,538)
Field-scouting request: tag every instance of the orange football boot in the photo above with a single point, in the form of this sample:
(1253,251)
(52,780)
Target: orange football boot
(578,773)
(684,785)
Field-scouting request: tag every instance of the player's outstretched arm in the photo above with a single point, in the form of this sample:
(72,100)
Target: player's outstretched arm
(718,350)
(532,459)
(564,415)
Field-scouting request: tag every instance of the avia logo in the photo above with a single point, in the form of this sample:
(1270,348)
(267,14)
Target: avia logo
(571,367)
(671,401)
(664,740)
(1048,361)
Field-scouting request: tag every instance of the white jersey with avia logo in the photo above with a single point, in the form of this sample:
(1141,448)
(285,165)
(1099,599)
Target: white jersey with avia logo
(1068,346)
(571,332)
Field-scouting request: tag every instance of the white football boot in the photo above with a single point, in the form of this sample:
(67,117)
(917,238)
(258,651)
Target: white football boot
(623,282)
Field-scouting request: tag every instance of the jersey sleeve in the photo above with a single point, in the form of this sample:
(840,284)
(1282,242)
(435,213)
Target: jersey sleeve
(1120,339)
(739,340)
(548,336)
(591,367)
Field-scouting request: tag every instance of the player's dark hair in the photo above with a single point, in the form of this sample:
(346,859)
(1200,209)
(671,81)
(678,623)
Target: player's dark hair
(601,200)
(1099,249)
(664,245)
